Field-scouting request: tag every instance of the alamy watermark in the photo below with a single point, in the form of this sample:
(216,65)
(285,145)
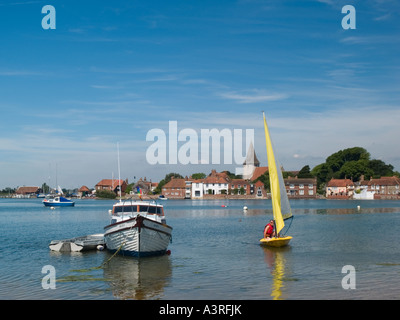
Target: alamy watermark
(349,20)
(49,280)
(349,280)
(49,20)
(202,147)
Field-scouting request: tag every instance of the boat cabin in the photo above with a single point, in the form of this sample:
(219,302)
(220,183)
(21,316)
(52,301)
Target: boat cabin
(149,209)
(129,207)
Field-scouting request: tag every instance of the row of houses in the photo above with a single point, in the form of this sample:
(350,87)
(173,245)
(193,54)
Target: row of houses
(142,186)
(113,185)
(219,185)
(382,188)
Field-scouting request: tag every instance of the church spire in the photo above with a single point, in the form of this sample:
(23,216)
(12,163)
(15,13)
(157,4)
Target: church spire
(251,157)
(251,162)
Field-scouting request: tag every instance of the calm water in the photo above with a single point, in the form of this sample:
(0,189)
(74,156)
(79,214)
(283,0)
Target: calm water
(215,252)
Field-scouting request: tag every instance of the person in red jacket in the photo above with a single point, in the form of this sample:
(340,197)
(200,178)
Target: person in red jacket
(269,230)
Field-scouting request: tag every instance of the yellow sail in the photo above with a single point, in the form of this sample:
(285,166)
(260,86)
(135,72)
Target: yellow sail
(274,181)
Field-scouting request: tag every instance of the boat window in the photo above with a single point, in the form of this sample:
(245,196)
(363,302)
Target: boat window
(125,209)
(150,209)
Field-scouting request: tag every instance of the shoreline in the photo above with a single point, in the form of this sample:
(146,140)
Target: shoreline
(207,198)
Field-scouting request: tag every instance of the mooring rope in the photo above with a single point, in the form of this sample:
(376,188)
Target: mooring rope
(109,259)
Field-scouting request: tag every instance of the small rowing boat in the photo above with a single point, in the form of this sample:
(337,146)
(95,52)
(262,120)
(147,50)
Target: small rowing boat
(78,244)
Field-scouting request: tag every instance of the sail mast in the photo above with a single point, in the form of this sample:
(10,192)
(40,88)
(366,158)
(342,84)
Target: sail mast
(119,175)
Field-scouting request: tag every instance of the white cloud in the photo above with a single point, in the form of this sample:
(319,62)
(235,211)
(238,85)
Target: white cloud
(252,96)
(16,73)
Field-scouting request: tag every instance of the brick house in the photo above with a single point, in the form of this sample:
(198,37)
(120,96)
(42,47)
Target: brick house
(339,189)
(27,191)
(259,190)
(383,188)
(175,189)
(83,191)
(301,187)
(238,184)
(112,185)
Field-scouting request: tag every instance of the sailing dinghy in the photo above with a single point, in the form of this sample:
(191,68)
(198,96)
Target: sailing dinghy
(280,202)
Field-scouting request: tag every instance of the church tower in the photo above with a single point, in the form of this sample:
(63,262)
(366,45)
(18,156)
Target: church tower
(251,163)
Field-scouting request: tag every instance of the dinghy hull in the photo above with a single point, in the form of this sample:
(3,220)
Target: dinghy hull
(275,242)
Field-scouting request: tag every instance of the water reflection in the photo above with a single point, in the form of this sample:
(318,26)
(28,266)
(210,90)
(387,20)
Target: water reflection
(335,211)
(139,279)
(276,262)
(322,211)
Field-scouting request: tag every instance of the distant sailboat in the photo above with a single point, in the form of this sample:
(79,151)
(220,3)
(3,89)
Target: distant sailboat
(280,202)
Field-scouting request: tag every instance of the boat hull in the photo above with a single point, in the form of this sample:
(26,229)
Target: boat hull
(138,237)
(59,204)
(276,242)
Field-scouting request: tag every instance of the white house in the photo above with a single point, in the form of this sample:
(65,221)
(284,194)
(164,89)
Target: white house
(197,189)
(216,183)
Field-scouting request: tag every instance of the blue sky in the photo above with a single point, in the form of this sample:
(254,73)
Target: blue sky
(113,70)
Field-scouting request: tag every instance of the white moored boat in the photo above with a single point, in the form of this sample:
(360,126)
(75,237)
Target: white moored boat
(137,228)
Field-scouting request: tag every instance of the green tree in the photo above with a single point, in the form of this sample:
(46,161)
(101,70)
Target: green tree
(129,188)
(198,176)
(350,163)
(232,175)
(305,172)
(323,174)
(336,160)
(354,169)
(264,178)
(105,194)
(380,169)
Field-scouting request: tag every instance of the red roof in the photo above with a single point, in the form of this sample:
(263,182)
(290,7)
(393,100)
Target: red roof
(27,190)
(110,183)
(259,184)
(216,177)
(215,180)
(340,183)
(175,183)
(385,181)
(240,181)
(259,171)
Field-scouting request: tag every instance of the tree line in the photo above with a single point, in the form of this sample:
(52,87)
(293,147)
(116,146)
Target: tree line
(351,163)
